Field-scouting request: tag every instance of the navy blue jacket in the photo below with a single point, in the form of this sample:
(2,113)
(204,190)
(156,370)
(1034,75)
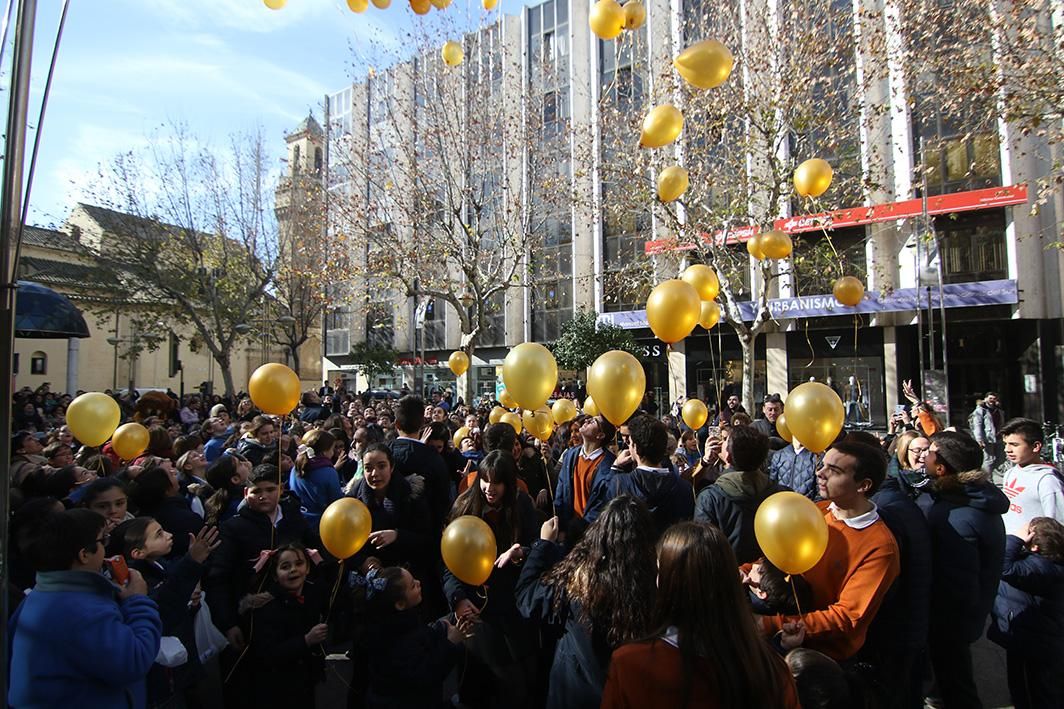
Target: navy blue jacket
(278,647)
(795,470)
(409,662)
(600,487)
(968,546)
(415,458)
(406,513)
(669,498)
(730,505)
(1029,608)
(582,656)
(902,620)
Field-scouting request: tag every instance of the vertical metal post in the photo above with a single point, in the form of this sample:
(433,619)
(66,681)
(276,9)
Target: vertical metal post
(10,230)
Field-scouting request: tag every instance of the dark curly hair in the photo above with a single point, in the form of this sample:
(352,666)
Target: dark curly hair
(611,572)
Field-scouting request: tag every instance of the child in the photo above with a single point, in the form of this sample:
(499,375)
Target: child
(286,631)
(822,683)
(409,660)
(771,593)
(1028,613)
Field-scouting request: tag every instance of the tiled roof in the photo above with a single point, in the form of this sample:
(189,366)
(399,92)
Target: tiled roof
(50,239)
(308,125)
(115,222)
(60,273)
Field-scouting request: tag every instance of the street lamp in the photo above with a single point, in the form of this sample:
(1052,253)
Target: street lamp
(265,326)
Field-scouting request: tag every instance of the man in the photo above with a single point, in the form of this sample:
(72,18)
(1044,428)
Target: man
(413,457)
(986,421)
(26,456)
(967,547)
(666,495)
(313,411)
(732,501)
(78,639)
(861,560)
(733,406)
(794,466)
(584,478)
(1034,488)
(771,409)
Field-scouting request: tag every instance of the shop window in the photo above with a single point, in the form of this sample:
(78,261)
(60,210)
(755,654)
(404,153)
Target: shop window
(973,246)
(39,363)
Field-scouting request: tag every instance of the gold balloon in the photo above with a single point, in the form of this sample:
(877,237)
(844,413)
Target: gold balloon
(814,415)
(618,382)
(381,4)
(468,548)
(672,183)
(694,413)
(273,5)
(634,15)
(453,53)
(753,247)
(775,244)
(791,531)
(705,65)
(496,414)
(129,441)
(440,4)
(93,417)
(673,309)
(606,19)
(458,362)
(506,400)
(345,527)
(710,314)
(563,410)
(848,291)
(538,422)
(357,5)
(489,5)
(530,374)
(781,428)
(420,7)
(462,432)
(704,279)
(661,126)
(513,419)
(274,388)
(589,407)
(812,178)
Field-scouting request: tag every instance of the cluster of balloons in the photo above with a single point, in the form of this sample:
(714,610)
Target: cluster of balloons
(274,389)
(676,306)
(420,7)
(608,18)
(772,244)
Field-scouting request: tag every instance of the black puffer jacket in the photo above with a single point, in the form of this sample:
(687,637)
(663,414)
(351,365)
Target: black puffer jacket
(730,505)
(1029,609)
(408,662)
(968,545)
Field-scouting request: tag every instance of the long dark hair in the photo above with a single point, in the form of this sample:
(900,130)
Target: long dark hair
(220,478)
(497,467)
(699,595)
(610,572)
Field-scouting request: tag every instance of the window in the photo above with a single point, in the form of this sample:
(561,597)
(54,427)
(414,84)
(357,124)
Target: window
(380,326)
(295,160)
(494,332)
(39,363)
(338,329)
(972,246)
(434,326)
(317,160)
(816,265)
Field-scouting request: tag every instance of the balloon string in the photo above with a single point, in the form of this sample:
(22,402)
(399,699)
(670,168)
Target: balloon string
(797,603)
(335,590)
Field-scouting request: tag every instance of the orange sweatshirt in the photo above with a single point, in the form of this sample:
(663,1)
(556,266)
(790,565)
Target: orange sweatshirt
(848,585)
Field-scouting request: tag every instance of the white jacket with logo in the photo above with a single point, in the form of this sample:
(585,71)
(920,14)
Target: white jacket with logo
(1035,490)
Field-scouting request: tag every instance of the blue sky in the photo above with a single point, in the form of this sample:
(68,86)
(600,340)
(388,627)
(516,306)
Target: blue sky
(222,66)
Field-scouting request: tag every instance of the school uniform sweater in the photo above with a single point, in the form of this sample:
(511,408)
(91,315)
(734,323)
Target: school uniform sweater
(848,584)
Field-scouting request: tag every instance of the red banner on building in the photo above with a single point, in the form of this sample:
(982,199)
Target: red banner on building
(968,201)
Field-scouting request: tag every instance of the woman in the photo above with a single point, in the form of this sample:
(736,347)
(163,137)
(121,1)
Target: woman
(505,644)
(705,650)
(314,479)
(260,439)
(689,449)
(602,593)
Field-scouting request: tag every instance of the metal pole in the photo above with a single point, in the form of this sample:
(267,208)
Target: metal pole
(324,238)
(919,269)
(10,230)
(942,329)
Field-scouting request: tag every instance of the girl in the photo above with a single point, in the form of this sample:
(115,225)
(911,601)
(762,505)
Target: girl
(287,631)
(505,645)
(107,497)
(157,493)
(314,479)
(705,650)
(408,660)
(191,466)
(260,439)
(602,593)
(227,477)
(69,484)
(689,449)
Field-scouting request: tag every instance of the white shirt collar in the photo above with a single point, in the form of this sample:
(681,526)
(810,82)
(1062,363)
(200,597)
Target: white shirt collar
(860,521)
(653,470)
(591,456)
(278,515)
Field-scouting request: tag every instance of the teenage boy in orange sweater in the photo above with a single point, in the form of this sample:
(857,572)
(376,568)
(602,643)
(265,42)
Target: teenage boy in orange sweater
(861,560)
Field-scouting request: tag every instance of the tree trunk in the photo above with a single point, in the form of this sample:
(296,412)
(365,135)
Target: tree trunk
(468,390)
(294,351)
(747,343)
(227,375)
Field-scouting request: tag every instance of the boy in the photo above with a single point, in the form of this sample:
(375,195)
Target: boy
(77,639)
(1029,613)
(1034,489)
(583,481)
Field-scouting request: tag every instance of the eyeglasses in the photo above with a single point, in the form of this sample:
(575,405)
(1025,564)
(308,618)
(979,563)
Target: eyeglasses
(103,540)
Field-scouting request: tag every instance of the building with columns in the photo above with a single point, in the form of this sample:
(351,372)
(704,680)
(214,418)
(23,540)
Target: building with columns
(975,306)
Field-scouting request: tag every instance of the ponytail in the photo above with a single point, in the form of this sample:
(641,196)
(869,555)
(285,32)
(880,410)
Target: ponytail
(315,442)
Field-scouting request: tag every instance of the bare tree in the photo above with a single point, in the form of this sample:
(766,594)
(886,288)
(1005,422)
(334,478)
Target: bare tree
(192,234)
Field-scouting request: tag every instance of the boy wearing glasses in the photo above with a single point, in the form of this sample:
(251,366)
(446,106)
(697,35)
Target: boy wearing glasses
(79,639)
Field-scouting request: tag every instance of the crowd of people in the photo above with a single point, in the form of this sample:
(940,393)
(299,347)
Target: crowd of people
(628,572)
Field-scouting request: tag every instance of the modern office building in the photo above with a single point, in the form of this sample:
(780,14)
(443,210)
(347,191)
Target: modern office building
(978,307)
